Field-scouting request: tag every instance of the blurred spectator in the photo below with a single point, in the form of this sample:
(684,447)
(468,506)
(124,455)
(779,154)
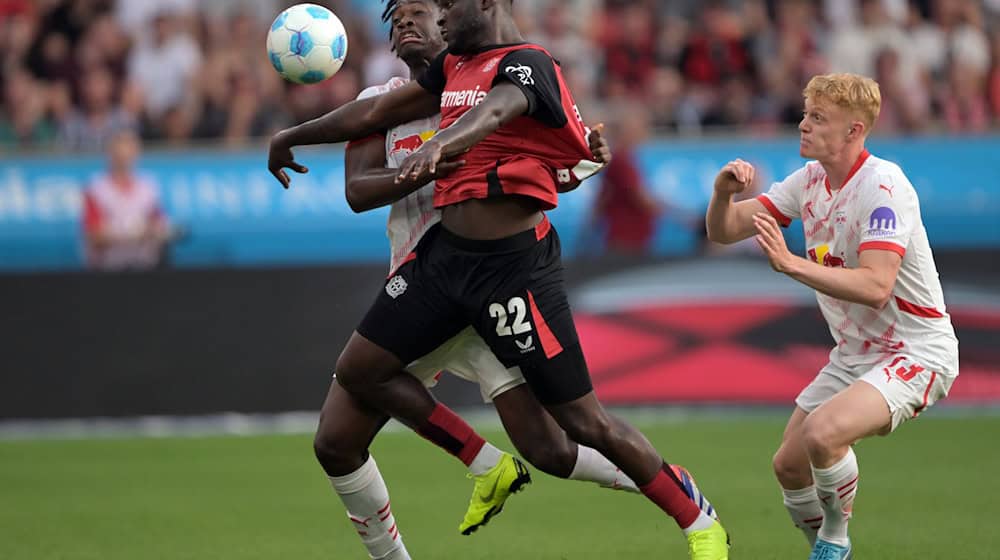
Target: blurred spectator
(625,209)
(629,49)
(163,65)
(903,110)
(23,116)
(99,117)
(123,223)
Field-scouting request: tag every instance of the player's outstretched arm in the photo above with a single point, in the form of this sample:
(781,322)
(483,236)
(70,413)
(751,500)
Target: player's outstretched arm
(370,185)
(725,221)
(870,284)
(504,103)
(351,121)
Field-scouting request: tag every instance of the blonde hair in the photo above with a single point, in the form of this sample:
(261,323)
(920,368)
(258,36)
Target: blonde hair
(855,93)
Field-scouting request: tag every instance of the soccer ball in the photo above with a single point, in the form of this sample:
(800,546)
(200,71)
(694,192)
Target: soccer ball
(307,44)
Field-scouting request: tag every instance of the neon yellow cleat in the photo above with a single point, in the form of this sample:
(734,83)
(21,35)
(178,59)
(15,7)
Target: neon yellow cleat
(492,490)
(709,544)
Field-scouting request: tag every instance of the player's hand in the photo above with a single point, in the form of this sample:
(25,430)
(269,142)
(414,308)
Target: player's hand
(735,176)
(772,242)
(443,169)
(279,156)
(422,165)
(599,145)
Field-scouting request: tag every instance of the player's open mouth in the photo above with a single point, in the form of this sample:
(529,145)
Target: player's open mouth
(410,37)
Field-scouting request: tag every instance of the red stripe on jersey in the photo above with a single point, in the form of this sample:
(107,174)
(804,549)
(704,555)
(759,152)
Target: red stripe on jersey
(927,393)
(543,228)
(384,509)
(782,219)
(550,344)
(408,258)
(882,246)
(365,140)
(918,310)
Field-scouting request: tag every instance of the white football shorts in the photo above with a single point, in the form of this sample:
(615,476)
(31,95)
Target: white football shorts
(467,356)
(908,387)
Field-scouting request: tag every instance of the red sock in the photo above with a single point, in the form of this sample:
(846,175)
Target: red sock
(448,431)
(665,492)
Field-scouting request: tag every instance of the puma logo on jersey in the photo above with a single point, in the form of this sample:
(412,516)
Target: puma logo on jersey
(887,189)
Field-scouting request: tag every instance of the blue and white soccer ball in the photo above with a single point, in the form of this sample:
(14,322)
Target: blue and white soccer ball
(307,44)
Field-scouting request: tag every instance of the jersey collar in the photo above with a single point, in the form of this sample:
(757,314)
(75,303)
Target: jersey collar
(862,158)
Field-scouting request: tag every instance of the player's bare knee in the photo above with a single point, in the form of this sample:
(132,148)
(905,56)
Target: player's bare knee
(820,435)
(336,450)
(789,469)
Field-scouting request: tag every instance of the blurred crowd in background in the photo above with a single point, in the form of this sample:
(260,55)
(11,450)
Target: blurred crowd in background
(177,71)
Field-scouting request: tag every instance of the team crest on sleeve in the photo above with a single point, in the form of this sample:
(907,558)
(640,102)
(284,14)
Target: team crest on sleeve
(523,73)
(882,222)
(396,286)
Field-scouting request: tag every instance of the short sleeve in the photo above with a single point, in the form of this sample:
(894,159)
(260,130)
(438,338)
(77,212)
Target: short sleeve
(887,215)
(434,80)
(534,73)
(784,199)
(368,93)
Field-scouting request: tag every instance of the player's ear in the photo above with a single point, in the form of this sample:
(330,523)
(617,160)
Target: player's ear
(857,129)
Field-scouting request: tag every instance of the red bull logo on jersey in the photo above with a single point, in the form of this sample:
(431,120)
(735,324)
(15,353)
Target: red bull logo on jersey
(821,255)
(412,143)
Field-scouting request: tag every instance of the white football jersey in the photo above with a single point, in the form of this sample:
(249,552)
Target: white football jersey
(410,217)
(876,208)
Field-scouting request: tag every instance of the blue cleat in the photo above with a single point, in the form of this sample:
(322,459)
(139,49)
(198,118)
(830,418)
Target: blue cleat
(824,550)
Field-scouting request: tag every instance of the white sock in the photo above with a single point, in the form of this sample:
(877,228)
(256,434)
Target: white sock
(836,487)
(367,501)
(486,459)
(804,508)
(594,467)
(704,521)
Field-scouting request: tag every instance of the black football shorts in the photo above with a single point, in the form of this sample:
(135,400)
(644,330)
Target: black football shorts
(510,290)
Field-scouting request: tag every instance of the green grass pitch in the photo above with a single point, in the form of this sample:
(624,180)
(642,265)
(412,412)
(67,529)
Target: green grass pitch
(928,492)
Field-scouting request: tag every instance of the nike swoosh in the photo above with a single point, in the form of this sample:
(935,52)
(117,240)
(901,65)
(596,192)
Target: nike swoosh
(493,491)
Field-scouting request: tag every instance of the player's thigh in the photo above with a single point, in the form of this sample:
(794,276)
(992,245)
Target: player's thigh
(525,319)
(827,383)
(532,430)
(467,356)
(907,387)
(855,413)
(346,425)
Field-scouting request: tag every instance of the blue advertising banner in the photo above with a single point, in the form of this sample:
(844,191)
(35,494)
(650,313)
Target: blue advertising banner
(237,214)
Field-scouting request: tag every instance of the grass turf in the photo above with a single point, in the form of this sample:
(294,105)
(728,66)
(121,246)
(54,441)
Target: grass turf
(927,492)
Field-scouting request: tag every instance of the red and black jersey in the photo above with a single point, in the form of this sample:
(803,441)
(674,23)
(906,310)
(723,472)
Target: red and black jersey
(532,155)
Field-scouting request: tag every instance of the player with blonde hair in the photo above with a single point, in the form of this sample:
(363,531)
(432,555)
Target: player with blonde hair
(871,265)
